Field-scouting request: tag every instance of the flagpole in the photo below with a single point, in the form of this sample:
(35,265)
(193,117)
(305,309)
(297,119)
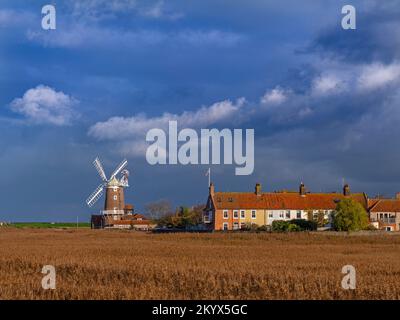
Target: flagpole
(209,177)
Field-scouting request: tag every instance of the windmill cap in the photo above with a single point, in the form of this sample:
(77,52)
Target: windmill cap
(113,182)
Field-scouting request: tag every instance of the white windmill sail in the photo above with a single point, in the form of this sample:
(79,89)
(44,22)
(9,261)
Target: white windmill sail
(100,169)
(120,167)
(95,195)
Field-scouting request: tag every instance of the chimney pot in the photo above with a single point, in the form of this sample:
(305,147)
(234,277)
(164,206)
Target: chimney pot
(211,189)
(346,190)
(258,189)
(302,189)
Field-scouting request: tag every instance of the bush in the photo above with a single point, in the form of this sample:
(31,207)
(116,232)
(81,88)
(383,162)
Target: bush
(350,216)
(305,225)
(370,227)
(280,225)
(293,227)
(263,228)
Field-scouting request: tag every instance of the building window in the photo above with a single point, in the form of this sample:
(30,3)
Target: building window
(115,197)
(298,215)
(270,215)
(236,226)
(253,214)
(225,226)
(288,214)
(281,214)
(235,214)
(226,215)
(242,214)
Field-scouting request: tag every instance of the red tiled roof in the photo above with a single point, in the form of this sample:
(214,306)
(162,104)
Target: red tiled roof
(282,200)
(384,205)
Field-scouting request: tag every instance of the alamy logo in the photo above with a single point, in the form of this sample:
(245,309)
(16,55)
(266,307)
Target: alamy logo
(191,144)
(49,280)
(349,280)
(49,18)
(349,20)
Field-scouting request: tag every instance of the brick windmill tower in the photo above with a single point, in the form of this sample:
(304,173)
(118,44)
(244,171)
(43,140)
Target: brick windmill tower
(114,203)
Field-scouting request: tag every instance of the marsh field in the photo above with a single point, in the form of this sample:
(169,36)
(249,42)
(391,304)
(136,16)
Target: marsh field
(113,264)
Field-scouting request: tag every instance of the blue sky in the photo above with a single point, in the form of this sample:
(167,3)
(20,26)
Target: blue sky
(323,101)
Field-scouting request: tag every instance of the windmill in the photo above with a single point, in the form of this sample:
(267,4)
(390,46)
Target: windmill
(114,200)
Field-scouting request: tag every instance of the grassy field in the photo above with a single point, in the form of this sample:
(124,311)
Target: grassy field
(99,264)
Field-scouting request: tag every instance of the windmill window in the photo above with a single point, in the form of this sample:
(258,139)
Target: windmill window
(115,197)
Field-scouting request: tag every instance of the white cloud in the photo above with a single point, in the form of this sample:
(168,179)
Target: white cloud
(378,75)
(132,127)
(100,9)
(158,11)
(81,35)
(327,84)
(274,97)
(96,10)
(43,105)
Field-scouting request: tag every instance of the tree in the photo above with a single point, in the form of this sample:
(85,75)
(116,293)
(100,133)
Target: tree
(158,209)
(183,217)
(350,216)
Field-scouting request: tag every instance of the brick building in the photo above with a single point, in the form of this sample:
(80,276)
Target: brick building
(385,213)
(233,210)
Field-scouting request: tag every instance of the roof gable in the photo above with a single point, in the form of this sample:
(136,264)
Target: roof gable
(384,205)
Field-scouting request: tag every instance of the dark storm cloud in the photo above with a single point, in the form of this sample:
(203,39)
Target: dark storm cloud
(377,37)
(320,114)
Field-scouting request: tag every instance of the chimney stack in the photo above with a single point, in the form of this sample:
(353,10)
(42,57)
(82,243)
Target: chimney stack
(302,189)
(346,190)
(211,189)
(258,189)
(398,195)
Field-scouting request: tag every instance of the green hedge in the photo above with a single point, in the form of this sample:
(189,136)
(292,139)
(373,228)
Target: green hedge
(293,225)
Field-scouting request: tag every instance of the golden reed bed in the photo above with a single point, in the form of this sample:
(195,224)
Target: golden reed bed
(99,264)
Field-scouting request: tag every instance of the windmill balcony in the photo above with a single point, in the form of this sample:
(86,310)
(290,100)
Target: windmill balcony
(112,212)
